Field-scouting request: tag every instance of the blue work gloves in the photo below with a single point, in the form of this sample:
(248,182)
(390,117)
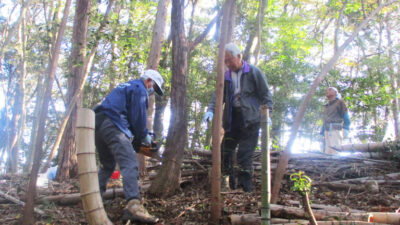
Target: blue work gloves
(147,140)
(208,116)
(346,133)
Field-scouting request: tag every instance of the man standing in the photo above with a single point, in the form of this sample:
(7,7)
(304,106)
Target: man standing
(245,89)
(121,117)
(336,121)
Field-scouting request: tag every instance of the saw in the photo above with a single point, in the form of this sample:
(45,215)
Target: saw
(151,150)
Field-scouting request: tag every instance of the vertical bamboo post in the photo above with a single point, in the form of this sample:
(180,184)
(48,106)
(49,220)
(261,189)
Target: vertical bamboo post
(87,169)
(265,168)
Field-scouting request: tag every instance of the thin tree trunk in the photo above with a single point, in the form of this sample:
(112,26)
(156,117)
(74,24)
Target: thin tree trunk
(161,105)
(35,125)
(153,61)
(9,34)
(30,195)
(87,63)
(18,119)
(226,32)
(284,158)
(67,161)
(394,84)
(167,179)
(260,18)
(256,32)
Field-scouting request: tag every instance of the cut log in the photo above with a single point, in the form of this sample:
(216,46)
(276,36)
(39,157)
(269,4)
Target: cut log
(391,176)
(388,218)
(342,187)
(70,199)
(369,147)
(292,212)
(255,219)
(327,207)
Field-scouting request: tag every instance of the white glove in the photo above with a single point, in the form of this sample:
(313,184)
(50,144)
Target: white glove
(208,116)
(147,140)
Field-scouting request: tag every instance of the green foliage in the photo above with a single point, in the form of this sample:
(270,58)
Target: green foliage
(301,182)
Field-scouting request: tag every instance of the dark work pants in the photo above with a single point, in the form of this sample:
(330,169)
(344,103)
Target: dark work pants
(246,138)
(114,147)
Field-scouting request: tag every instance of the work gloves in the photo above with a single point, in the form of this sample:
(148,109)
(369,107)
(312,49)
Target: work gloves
(147,140)
(346,133)
(208,116)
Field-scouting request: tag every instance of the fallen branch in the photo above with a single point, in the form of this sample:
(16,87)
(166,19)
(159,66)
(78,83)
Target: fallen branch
(255,219)
(19,202)
(390,176)
(327,207)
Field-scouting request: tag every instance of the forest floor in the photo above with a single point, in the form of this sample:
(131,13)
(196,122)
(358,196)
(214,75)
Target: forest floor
(191,205)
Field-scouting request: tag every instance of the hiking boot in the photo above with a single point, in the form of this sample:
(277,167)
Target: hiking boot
(135,212)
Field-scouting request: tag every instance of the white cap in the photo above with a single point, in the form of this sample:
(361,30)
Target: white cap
(157,78)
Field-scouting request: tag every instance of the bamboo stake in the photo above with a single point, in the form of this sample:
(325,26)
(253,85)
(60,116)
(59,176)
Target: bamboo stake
(265,168)
(87,169)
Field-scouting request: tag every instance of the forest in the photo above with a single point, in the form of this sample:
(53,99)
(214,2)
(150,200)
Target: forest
(57,57)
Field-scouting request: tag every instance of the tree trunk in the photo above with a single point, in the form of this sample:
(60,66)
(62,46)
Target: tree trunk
(67,162)
(153,61)
(226,32)
(18,109)
(86,64)
(161,105)
(394,84)
(284,158)
(28,210)
(167,179)
(35,125)
(307,207)
(255,32)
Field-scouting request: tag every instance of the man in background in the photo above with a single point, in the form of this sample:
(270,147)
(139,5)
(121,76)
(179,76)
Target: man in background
(336,121)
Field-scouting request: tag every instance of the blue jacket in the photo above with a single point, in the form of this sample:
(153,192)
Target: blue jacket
(126,106)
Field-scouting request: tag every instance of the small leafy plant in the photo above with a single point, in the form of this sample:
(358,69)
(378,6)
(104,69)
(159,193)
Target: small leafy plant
(302,185)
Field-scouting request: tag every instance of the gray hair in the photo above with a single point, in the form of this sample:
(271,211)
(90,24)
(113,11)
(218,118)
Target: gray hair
(338,95)
(233,48)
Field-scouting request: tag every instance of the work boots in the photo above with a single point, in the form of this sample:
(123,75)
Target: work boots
(135,212)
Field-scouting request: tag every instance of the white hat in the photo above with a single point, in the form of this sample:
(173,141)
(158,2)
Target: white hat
(157,78)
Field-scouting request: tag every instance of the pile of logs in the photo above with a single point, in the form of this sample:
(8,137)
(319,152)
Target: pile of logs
(335,172)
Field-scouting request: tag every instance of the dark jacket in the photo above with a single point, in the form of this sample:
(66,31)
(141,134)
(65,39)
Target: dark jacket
(336,116)
(126,106)
(254,92)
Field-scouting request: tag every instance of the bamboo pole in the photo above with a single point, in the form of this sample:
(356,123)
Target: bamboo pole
(87,169)
(265,168)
